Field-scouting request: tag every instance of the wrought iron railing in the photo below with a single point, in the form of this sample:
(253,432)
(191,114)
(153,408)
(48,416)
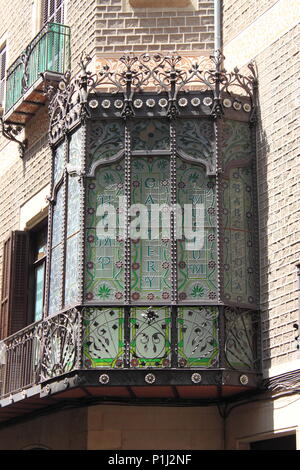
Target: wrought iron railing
(19,360)
(48,51)
(102,338)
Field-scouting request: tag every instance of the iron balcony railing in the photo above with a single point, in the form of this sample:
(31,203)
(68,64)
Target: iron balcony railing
(82,339)
(19,360)
(48,51)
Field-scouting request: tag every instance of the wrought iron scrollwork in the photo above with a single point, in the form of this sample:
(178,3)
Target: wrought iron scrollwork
(132,74)
(61,344)
(11,132)
(241,349)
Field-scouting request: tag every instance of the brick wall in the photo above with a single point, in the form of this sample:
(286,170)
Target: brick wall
(277,58)
(279,194)
(153,30)
(238,14)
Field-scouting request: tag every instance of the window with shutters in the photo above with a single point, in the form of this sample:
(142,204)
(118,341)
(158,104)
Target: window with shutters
(23,274)
(37,265)
(13,311)
(2,73)
(53,11)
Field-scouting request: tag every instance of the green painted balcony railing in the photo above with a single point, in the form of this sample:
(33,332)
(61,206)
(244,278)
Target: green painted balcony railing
(48,51)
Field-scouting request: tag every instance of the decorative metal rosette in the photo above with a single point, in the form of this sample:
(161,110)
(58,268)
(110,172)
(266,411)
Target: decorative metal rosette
(244,379)
(150,378)
(247,107)
(93,104)
(237,105)
(227,103)
(163,103)
(106,104)
(104,379)
(138,103)
(150,103)
(207,101)
(118,104)
(196,378)
(195,101)
(182,102)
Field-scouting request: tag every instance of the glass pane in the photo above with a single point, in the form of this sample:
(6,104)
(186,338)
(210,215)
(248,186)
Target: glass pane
(197,336)
(58,213)
(195,139)
(196,230)
(73,204)
(59,160)
(238,211)
(39,292)
(150,343)
(105,249)
(103,342)
(241,339)
(75,152)
(106,140)
(150,134)
(150,244)
(55,280)
(72,270)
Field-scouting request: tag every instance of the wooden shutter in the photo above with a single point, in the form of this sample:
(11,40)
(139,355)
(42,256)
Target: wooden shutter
(2,73)
(53,11)
(13,313)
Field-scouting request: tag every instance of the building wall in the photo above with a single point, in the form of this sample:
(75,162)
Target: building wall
(63,430)
(277,58)
(117,427)
(264,419)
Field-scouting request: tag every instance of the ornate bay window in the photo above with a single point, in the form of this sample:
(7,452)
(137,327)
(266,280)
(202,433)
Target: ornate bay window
(153,232)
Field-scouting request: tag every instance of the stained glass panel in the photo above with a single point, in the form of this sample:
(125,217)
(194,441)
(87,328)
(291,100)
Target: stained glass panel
(106,140)
(73,205)
(195,139)
(75,151)
(150,245)
(150,134)
(59,162)
(197,336)
(72,270)
(197,245)
(104,272)
(103,342)
(55,280)
(150,343)
(58,217)
(241,339)
(238,217)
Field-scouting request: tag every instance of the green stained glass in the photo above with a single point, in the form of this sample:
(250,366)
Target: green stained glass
(197,336)
(238,216)
(72,270)
(73,204)
(75,150)
(196,232)
(150,241)
(104,272)
(241,339)
(150,340)
(237,142)
(150,134)
(39,292)
(106,141)
(103,341)
(195,139)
